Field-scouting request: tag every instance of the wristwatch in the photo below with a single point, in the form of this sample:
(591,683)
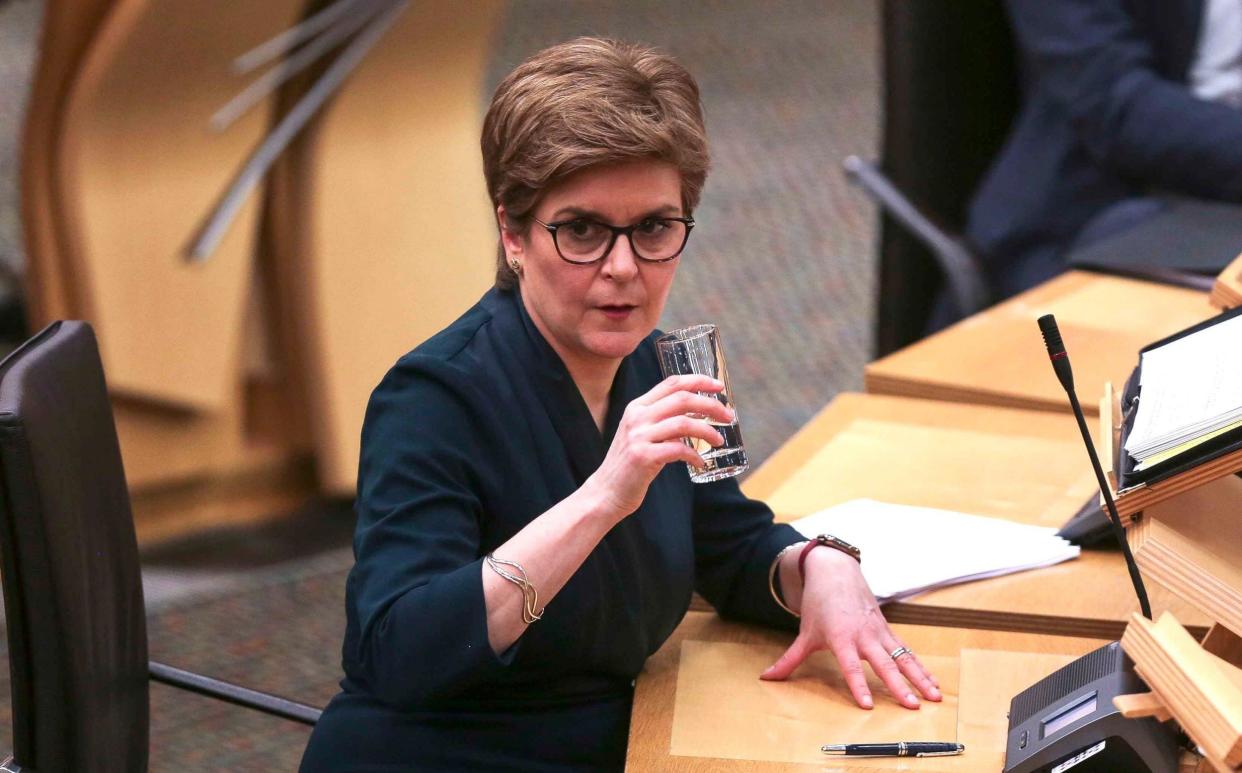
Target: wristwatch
(828,541)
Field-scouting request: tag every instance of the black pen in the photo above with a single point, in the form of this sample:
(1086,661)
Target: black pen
(896,749)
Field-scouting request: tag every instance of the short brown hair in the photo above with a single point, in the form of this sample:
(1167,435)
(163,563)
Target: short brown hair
(582,103)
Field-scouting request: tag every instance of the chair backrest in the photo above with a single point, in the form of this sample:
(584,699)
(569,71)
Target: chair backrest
(950,95)
(72,584)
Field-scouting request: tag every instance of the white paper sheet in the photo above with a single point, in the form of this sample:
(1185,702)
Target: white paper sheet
(909,550)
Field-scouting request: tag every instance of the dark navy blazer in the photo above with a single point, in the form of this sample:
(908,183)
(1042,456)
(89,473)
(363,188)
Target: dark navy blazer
(466,440)
(1106,115)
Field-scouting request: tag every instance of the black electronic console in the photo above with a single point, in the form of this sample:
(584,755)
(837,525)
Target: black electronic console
(1066,721)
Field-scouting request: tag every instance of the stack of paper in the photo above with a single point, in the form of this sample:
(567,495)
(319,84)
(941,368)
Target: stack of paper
(907,550)
(1190,392)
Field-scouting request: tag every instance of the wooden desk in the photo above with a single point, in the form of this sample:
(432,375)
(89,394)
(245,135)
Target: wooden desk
(653,717)
(973,459)
(997,356)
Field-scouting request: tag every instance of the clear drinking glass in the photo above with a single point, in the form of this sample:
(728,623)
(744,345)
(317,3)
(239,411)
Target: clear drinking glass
(697,350)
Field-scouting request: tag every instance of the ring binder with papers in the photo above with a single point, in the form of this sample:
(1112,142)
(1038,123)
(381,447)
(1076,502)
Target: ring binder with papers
(1210,458)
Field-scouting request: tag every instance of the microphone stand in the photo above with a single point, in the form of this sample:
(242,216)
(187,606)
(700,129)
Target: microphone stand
(1061,364)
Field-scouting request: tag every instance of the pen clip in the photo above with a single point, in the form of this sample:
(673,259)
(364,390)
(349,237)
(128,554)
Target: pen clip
(952,753)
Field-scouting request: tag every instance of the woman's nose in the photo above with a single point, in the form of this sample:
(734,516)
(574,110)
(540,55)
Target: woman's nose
(621,263)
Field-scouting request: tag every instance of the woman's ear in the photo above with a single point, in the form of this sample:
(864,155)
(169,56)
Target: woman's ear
(512,241)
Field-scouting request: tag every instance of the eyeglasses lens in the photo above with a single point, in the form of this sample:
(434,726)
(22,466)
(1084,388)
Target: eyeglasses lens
(659,239)
(582,240)
(585,241)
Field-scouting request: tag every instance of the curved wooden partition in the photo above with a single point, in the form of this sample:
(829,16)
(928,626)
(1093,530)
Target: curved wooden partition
(140,170)
(161,444)
(68,28)
(376,233)
(385,233)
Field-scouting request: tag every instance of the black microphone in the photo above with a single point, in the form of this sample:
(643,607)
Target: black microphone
(1056,351)
(1061,364)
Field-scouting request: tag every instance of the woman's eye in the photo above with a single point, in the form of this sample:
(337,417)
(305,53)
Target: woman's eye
(581,228)
(653,226)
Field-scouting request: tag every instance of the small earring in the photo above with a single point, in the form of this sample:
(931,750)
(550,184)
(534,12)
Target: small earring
(515,265)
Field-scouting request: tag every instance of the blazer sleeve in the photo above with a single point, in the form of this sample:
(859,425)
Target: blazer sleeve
(416,588)
(735,541)
(1094,63)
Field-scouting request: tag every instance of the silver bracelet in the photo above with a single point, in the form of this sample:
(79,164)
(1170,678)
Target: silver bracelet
(530,597)
(776,596)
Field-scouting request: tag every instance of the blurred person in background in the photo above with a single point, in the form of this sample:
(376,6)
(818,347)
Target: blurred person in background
(1122,100)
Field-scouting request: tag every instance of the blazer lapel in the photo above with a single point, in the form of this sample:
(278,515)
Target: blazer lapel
(557,392)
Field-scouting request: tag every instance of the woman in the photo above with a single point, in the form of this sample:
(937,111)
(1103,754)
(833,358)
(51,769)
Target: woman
(527,531)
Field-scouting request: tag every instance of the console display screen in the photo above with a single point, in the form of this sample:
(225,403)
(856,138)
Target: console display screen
(1080,708)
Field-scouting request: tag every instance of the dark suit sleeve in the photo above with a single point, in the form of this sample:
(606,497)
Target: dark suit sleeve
(416,589)
(1095,64)
(735,542)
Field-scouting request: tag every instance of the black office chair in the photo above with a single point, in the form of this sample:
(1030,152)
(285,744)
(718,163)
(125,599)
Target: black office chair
(950,94)
(72,586)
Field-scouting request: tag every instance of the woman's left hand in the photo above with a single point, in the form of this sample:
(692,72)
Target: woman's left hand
(840,613)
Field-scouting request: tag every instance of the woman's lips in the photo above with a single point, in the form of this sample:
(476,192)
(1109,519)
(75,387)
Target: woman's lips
(617,311)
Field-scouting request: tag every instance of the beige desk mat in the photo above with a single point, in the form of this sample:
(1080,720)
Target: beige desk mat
(988,680)
(904,463)
(722,708)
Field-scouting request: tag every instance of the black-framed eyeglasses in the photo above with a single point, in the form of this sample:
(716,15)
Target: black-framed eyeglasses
(582,240)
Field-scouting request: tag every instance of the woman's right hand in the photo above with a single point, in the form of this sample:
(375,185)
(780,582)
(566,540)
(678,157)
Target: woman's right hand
(650,434)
